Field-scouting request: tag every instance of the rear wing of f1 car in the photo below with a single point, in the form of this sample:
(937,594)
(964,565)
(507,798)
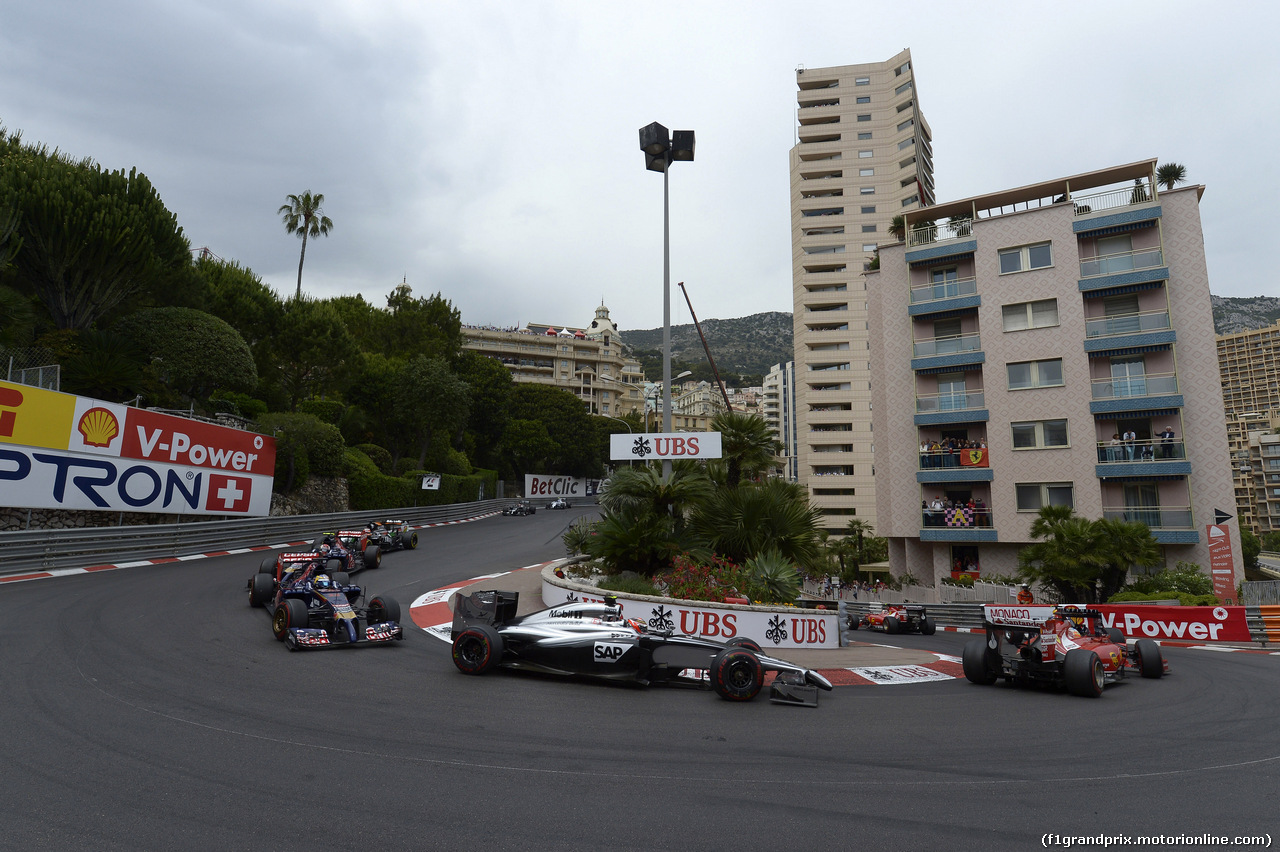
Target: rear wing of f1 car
(489,607)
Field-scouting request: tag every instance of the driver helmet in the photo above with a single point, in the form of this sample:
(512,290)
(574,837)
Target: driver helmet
(322,581)
(324,550)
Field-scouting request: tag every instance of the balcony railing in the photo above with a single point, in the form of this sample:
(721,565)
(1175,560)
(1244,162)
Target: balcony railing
(1144,449)
(953,401)
(956,517)
(1126,324)
(1155,517)
(935,232)
(1110,264)
(1158,384)
(950,345)
(944,290)
(1126,197)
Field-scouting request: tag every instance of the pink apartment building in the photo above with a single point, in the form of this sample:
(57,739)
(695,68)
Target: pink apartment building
(1050,344)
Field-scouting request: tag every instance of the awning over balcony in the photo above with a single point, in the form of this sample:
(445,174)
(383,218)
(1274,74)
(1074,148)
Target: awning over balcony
(1117,229)
(963,368)
(1160,478)
(1120,291)
(1133,415)
(1132,350)
(946,258)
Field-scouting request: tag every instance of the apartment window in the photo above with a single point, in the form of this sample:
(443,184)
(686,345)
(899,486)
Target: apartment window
(907,143)
(869,208)
(1030,315)
(862,81)
(867,190)
(1022,258)
(904,87)
(864,100)
(1034,496)
(869,247)
(1039,434)
(901,69)
(905,105)
(868,229)
(909,200)
(1035,374)
(866,172)
(908,123)
(864,118)
(864,135)
(866,154)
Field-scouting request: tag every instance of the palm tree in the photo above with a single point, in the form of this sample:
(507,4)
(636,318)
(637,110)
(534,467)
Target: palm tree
(1171,173)
(303,216)
(1123,544)
(742,523)
(859,528)
(898,227)
(747,444)
(643,488)
(1066,557)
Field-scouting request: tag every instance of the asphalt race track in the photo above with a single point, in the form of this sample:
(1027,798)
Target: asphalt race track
(151,708)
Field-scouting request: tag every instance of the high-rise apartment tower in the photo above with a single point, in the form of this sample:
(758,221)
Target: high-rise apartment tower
(862,156)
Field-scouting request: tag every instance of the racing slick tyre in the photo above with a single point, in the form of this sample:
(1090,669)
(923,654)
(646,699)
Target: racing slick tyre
(1114,634)
(291,613)
(928,626)
(890,624)
(261,587)
(477,649)
(340,578)
(745,642)
(854,622)
(333,566)
(383,608)
(736,674)
(410,540)
(1082,673)
(268,566)
(1150,661)
(372,556)
(977,663)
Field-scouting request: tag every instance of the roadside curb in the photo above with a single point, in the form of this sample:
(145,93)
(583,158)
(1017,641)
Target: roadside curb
(92,569)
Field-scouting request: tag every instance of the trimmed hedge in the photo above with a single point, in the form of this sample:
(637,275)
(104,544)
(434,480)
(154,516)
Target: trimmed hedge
(326,410)
(304,445)
(369,488)
(380,456)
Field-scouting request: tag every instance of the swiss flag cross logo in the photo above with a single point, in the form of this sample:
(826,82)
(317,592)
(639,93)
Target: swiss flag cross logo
(228,494)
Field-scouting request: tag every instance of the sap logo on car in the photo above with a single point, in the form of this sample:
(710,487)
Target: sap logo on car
(609,652)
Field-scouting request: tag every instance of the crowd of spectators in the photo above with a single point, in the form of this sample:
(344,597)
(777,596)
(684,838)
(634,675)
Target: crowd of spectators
(955,513)
(946,452)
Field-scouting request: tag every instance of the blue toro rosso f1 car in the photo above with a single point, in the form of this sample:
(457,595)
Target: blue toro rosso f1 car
(594,640)
(311,608)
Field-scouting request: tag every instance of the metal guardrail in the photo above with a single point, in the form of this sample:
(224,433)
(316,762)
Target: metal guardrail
(963,615)
(45,550)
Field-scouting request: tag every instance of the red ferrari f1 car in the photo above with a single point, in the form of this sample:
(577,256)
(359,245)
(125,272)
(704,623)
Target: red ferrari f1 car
(896,618)
(1063,646)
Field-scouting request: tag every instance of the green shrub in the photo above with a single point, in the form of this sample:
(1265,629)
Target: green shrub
(632,584)
(774,578)
(304,446)
(576,537)
(325,410)
(240,404)
(380,456)
(1185,577)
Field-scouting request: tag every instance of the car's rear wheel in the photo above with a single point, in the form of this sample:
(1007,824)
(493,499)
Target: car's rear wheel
(477,649)
(854,622)
(261,588)
(977,663)
(291,613)
(745,642)
(927,626)
(410,540)
(1082,673)
(890,624)
(268,566)
(372,556)
(383,608)
(1150,660)
(736,674)
(340,578)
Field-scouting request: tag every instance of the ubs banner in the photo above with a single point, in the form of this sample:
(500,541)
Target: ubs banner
(675,445)
(59,451)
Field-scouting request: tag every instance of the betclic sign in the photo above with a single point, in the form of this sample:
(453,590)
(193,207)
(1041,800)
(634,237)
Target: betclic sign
(542,485)
(674,446)
(59,451)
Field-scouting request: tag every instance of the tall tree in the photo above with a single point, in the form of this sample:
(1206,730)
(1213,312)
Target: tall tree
(302,215)
(91,239)
(314,353)
(431,406)
(748,446)
(567,423)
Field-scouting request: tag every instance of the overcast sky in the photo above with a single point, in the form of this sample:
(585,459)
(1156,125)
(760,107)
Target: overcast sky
(489,150)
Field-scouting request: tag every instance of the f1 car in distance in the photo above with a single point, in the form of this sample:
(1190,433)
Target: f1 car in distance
(896,618)
(354,547)
(594,640)
(520,507)
(312,608)
(1063,646)
(558,503)
(392,535)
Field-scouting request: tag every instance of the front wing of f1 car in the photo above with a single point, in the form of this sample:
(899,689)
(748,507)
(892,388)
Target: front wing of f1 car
(594,640)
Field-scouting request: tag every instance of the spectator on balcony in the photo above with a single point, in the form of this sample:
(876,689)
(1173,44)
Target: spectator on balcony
(1115,448)
(1166,443)
(1130,445)
(980,513)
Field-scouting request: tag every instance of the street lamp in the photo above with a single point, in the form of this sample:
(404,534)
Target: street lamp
(661,149)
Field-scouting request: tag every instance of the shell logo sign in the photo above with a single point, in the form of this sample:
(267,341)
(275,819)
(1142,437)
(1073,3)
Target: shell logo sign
(59,451)
(98,426)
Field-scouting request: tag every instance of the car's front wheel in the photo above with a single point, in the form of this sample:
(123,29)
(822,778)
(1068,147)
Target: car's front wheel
(261,588)
(736,674)
(383,608)
(890,624)
(1150,661)
(410,540)
(477,649)
(291,613)
(745,642)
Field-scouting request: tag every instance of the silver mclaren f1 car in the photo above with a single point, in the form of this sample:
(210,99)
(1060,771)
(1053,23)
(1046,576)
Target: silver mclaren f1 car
(595,640)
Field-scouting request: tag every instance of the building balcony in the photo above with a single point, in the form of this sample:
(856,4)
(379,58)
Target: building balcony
(932,233)
(1135,393)
(1126,324)
(1168,525)
(1149,457)
(1135,203)
(948,296)
(957,525)
(950,345)
(957,401)
(1115,264)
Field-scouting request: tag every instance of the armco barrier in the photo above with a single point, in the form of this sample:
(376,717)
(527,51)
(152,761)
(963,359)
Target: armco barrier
(1264,623)
(45,550)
